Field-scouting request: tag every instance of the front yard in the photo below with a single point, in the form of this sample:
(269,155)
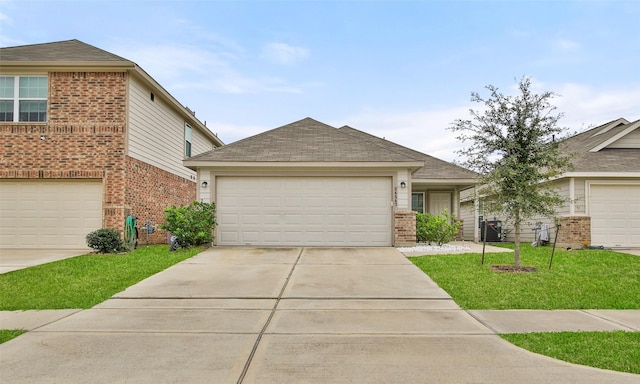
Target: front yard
(579,279)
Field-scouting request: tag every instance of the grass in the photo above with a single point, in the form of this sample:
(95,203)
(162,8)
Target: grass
(617,351)
(582,279)
(8,334)
(84,281)
(579,279)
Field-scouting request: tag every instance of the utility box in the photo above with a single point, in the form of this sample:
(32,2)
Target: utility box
(493,231)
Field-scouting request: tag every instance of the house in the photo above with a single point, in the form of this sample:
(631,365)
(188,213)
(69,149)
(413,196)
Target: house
(307,183)
(602,192)
(88,138)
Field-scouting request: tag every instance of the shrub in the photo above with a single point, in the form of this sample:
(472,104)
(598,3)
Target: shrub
(191,224)
(106,240)
(436,229)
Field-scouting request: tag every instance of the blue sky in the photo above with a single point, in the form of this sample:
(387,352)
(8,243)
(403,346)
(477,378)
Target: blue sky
(403,70)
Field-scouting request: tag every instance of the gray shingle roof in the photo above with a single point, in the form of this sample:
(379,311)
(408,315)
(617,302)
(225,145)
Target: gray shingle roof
(61,51)
(606,159)
(306,140)
(433,168)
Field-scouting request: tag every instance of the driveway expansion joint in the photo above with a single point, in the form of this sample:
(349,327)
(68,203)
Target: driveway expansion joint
(266,324)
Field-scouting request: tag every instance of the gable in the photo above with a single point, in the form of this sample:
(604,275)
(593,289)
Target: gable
(630,140)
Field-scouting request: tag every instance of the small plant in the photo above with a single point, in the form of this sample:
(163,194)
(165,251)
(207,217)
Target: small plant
(436,229)
(106,240)
(192,224)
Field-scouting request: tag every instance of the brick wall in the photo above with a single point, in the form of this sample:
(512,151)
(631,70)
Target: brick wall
(150,190)
(87,97)
(85,138)
(575,231)
(404,233)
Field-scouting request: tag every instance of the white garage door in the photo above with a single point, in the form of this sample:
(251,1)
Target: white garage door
(49,214)
(310,211)
(615,215)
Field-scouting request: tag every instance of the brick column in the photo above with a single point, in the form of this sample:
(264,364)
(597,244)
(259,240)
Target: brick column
(404,232)
(575,231)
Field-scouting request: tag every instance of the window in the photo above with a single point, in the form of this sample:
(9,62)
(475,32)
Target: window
(417,202)
(23,98)
(187,140)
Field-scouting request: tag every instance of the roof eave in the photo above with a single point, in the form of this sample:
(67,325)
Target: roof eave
(599,175)
(195,164)
(462,181)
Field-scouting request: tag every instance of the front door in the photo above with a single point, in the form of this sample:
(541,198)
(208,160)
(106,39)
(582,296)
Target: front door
(438,202)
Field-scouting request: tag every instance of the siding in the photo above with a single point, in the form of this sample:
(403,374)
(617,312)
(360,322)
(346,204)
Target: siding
(631,140)
(156,132)
(404,195)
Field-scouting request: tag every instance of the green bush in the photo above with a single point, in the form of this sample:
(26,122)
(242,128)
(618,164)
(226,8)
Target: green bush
(192,224)
(436,229)
(106,240)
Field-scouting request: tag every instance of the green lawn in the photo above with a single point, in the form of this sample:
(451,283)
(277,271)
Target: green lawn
(84,281)
(8,334)
(618,351)
(579,279)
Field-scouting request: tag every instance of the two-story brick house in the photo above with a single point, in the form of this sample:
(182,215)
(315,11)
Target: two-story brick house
(86,139)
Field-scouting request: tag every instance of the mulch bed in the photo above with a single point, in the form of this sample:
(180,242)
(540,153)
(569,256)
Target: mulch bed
(512,268)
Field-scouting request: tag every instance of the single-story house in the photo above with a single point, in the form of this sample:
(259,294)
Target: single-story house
(88,138)
(310,184)
(602,192)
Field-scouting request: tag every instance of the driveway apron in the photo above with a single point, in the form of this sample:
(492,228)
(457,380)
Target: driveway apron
(281,315)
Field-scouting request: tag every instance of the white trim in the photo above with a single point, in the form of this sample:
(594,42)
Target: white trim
(617,137)
(589,183)
(598,174)
(211,165)
(423,200)
(611,125)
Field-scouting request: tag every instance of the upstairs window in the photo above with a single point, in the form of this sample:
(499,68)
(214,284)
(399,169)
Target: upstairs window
(187,140)
(23,98)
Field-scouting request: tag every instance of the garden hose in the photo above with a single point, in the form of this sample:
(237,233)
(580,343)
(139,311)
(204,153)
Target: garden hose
(131,232)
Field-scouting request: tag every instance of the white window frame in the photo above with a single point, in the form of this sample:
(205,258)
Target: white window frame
(418,193)
(188,140)
(16,99)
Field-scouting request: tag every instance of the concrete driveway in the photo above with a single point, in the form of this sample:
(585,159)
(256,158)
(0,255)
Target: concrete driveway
(281,315)
(14,259)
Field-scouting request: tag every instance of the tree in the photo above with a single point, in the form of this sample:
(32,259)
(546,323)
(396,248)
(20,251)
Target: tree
(515,149)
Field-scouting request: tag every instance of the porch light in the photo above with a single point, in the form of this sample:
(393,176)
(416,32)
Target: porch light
(204,184)
(403,185)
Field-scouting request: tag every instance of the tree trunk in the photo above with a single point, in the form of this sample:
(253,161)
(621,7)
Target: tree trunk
(516,252)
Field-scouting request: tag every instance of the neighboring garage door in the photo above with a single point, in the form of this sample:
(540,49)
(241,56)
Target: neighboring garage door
(615,215)
(310,211)
(49,214)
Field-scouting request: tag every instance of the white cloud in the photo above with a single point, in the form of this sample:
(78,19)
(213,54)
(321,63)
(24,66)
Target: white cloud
(281,53)
(189,67)
(587,106)
(426,131)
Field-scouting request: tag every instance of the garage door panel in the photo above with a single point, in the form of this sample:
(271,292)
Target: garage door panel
(49,213)
(306,211)
(615,215)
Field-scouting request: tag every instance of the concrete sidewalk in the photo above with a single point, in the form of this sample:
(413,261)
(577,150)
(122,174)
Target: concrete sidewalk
(313,315)
(15,259)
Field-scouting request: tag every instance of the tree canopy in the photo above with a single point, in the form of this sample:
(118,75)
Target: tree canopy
(515,148)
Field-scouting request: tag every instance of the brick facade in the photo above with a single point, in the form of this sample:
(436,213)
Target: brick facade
(85,138)
(404,229)
(575,231)
(149,191)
